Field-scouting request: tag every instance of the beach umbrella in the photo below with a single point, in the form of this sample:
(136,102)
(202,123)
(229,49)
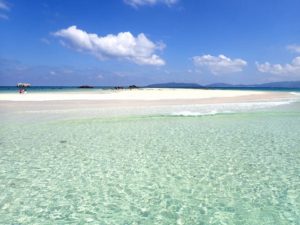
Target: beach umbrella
(23,85)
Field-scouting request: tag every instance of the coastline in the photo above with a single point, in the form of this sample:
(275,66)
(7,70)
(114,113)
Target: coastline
(140,101)
(153,94)
(48,146)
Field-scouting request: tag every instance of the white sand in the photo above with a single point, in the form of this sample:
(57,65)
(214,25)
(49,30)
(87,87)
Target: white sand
(138,94)
(114,102)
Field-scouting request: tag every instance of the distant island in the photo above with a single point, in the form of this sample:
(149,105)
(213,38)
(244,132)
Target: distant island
(175,85)
(285,84)
(85,86)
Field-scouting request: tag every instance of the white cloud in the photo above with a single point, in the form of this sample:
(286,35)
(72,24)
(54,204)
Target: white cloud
(4,5)
(136,3)
(219,64)
(289,68)
(294,48)
(124,45)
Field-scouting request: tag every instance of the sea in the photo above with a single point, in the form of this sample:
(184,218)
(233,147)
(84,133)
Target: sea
(234,163)
(13,89)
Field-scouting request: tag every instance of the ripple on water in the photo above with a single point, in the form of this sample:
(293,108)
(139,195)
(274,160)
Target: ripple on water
(225,169)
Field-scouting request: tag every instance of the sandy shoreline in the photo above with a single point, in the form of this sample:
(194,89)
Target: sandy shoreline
(138,95)
(133,99)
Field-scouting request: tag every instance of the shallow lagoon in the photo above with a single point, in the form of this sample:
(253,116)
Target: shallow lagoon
(233,168)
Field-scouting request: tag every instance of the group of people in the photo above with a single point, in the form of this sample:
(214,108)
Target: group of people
(129,87)
(23,87)
(22,90)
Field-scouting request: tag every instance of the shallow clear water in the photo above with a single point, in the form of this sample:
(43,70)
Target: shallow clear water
(234,168)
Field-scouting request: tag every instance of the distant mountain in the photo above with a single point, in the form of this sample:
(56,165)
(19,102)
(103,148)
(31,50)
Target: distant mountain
(175,85)
(220,85)
(285,84)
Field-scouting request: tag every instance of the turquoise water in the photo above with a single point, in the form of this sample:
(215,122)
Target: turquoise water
(47,89)
(232,168)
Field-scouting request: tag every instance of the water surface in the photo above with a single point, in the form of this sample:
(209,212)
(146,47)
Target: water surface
(239,167)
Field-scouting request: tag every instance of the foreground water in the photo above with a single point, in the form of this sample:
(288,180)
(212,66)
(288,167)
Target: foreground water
(233,168)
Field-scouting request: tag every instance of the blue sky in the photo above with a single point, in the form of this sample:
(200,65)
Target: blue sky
(122,42)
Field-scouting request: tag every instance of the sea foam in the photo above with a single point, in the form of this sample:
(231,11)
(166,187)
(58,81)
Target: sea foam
(213,109)
(295,93)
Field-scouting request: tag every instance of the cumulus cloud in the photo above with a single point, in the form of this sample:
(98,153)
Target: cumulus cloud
(136,3)
(279,69)
(294,48)
(219,64)
(124,45)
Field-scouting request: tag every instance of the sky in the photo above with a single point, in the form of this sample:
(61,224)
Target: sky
(124,42)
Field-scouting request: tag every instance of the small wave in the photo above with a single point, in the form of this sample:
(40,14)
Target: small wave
(269,104)
(206,110)
(295,93)
(189,113)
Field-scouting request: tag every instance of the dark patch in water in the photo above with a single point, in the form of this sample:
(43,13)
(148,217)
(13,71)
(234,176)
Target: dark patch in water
(63,141)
